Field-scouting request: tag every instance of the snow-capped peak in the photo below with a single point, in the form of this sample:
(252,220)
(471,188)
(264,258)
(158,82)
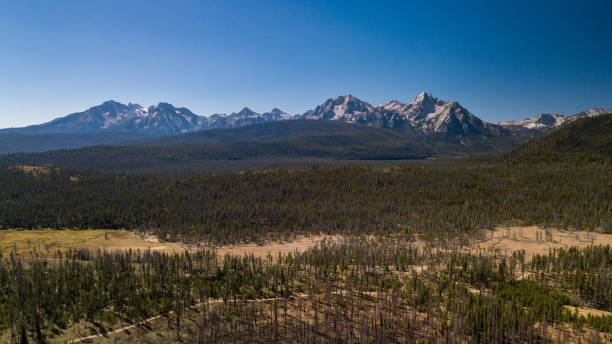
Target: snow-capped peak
(423,97)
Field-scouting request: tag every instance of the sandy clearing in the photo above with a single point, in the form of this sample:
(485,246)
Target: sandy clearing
(536,240)
(585,311)
(46,242)
(505,240)
(275,248)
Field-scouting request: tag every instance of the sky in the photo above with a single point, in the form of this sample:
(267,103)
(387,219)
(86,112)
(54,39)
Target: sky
(499,59)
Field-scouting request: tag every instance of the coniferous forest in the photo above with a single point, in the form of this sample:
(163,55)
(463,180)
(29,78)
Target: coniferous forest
(248,205)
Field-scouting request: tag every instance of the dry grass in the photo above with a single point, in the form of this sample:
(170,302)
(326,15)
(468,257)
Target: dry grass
(46,242)
(533,240)
(586,311)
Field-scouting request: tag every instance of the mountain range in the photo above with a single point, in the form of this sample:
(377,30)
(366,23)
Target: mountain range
(160,119)
(426,119)
(425,114)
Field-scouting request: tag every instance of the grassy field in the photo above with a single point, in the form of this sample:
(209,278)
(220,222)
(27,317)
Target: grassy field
(47,241)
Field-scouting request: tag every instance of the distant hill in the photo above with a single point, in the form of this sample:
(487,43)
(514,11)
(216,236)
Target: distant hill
(584,140)
(266,132)
(430,144)
(17,142)
(275,140)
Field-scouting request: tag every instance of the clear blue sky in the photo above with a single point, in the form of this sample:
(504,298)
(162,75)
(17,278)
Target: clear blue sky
(501,61)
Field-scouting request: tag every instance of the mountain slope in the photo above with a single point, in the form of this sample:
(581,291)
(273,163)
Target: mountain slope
(588,139)
(274,132)
(299,139)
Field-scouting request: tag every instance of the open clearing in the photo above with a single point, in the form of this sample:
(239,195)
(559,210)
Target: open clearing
(535,240)
(276,248)
(532,239)
(46,242)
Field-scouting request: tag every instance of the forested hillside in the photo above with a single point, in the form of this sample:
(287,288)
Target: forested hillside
(276,131)
(16,142)
(275,141)
(585,140)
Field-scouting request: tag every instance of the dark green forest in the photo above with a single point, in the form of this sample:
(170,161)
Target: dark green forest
(252,205)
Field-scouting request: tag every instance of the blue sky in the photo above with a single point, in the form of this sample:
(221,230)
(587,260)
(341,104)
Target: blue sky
(500,59)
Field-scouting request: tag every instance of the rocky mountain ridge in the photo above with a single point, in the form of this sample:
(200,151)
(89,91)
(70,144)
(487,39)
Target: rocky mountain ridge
(160,119)
(545,121)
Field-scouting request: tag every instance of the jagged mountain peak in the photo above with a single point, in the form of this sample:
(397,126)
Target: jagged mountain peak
(424,97)
(346,99)
(247,112)
(111,102)
(425,113)
(346,108)
(109,105)
(276,111)
(162,106)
